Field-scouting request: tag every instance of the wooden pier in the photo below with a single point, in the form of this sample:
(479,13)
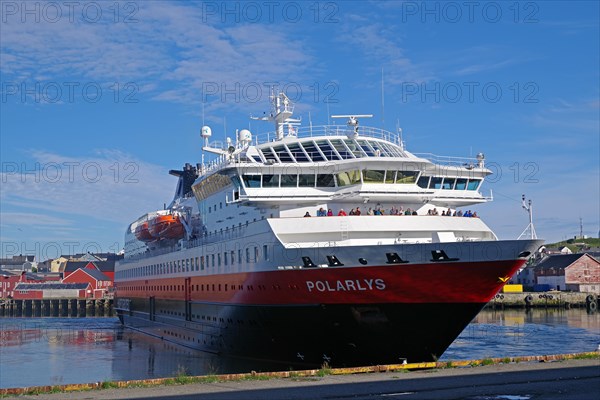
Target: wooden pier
(78,308)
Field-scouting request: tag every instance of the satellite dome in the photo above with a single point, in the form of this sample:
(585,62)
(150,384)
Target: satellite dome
(206,131)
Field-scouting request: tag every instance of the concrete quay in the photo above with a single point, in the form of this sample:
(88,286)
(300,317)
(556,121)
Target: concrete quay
(574,376)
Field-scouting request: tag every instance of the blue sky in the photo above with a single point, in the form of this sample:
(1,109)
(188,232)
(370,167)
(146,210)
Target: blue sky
(101,99)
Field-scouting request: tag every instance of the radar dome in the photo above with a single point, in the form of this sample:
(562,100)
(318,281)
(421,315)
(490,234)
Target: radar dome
(206,132)
(245,136)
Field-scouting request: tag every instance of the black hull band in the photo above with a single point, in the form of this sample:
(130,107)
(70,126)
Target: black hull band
(308,336)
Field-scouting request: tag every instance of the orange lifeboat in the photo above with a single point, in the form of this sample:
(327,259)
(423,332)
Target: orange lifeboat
(166,227)
(142,233)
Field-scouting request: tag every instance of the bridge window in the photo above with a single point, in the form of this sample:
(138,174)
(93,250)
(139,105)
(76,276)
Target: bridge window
(347,178)
(461,184)
(251,181)
(403,177)
(473,184)
(389,176)
(435,182)
(270,181)
(448,183)
(289,180)
(306,180)
(423,182)
(325,180)
(373,176)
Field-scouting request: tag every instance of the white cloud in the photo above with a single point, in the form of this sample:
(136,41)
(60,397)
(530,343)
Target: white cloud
(170,51)
(109,186)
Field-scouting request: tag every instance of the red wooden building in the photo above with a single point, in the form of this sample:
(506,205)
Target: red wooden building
(9,280)
(106,267)
(99,283)
(38,291)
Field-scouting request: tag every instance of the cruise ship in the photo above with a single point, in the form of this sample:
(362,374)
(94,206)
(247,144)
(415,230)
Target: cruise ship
(316,245)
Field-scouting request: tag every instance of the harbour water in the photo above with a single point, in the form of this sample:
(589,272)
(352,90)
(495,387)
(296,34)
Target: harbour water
(53,351)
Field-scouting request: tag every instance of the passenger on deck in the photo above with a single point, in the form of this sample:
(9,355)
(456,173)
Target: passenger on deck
(459,213)
(370,212)
(408,211)
(352,212)
(321,212)
(342,213)
(329,213)
(443,213)
(475,215)
(414,212)
(449,213)
(377,212)
(357,212)
(307,214)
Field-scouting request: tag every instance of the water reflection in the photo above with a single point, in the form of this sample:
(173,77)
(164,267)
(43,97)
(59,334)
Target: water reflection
(513,333)
(46,351)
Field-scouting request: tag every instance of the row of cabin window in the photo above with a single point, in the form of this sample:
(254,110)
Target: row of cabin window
(354,177)
(434,182)
(196,264)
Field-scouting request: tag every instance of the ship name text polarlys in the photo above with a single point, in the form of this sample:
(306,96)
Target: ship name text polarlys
(346,285)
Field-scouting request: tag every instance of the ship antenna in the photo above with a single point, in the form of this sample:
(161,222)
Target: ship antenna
(382,102)
(527,206)
(399,130)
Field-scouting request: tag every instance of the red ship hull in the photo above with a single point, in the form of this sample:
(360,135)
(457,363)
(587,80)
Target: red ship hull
(346,316)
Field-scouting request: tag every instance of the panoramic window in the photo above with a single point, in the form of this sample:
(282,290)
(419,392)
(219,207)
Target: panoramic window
(297,152)
(364,145)
(379,149)
(283,154)
(327,150)
(313,152)
(341,149)
(354,148)
(268,154)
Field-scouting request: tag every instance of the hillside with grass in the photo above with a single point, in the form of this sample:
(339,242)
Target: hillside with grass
(576,245)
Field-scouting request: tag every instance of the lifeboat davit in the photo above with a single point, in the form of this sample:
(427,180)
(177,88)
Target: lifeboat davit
(142,233)
(166,227)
